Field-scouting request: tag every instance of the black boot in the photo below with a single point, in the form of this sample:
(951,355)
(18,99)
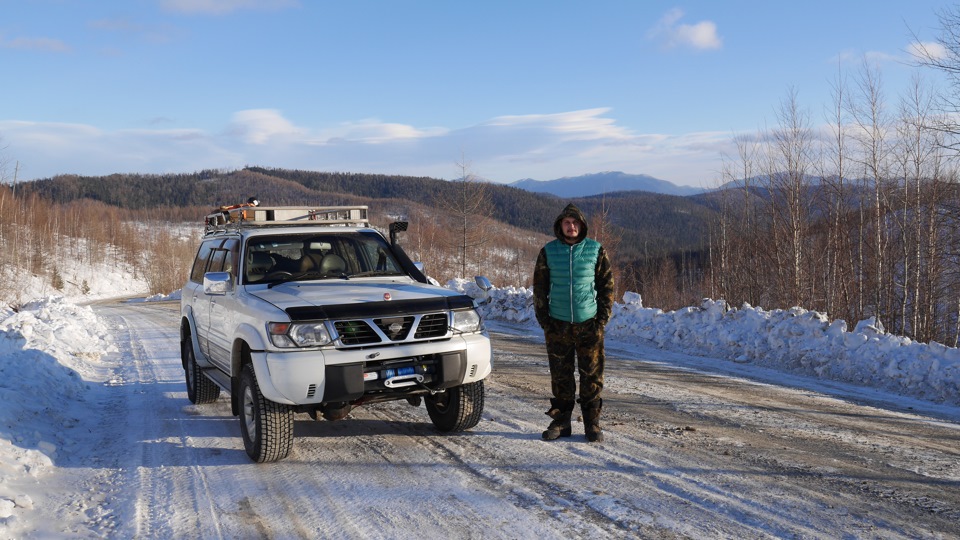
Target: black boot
(591,420)
(560,411)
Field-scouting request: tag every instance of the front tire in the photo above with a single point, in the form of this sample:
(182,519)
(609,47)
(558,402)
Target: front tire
(200,389)
(457,409)
(266,426)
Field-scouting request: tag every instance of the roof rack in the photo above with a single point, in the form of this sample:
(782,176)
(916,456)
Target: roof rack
(243,217)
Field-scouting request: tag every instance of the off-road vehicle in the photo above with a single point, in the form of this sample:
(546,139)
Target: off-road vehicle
(311,310)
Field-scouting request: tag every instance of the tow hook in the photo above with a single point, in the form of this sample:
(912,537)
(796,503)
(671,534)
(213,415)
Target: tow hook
(428,389)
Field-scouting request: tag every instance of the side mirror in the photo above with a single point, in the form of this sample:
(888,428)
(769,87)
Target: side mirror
(485,286)
(483,282)
(217,283)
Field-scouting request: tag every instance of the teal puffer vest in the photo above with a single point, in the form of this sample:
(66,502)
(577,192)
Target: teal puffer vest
(573,295)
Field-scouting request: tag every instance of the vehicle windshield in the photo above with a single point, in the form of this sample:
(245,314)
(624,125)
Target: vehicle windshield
(275,259)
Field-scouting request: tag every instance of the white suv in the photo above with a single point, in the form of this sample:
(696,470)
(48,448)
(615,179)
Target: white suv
(310,310)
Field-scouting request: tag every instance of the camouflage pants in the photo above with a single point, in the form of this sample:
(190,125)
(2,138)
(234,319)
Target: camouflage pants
(583,341)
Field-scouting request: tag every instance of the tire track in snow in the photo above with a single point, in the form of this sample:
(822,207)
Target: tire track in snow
(755,463)
(558,505)
(170,490)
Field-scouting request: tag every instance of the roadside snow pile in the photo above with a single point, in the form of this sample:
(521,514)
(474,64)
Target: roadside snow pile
(50,350)
(794,340)
(175,295)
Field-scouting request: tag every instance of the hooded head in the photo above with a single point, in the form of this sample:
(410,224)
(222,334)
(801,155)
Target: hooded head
(570,211)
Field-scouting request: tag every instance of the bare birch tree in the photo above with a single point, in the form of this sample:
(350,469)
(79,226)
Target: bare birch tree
(872,126)
(838,252)
(790,163)
(468,209)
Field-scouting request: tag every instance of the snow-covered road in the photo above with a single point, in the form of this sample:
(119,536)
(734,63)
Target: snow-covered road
(687,454)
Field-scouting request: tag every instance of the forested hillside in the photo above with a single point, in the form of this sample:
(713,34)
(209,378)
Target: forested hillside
(650,224)
(453,222)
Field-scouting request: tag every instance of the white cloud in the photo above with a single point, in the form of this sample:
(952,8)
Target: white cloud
(502,149)
(223,7)
(913,53)
(152,33)
(583,124)
(257,126)
(927,51)
(374,131)
(670,33)
(44,150)
(36,44)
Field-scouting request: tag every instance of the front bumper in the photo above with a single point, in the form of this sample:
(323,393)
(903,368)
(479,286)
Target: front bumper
(330,375)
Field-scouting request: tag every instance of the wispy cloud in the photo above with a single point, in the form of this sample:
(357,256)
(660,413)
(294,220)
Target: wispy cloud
(583,124)
(913,53)
(503,149)
(927,51)
(153,34)
(258,126)
(671,33)
(374,131)
(223,7)
(116,25)
(36,44)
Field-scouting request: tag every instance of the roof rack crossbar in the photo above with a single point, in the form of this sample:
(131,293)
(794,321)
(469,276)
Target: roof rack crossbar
(288,216)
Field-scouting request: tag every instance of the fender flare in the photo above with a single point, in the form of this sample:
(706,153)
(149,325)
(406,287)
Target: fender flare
(188,324)
(250,338)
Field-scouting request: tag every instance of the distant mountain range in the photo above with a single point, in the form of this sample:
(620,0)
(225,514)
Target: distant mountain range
(601,183)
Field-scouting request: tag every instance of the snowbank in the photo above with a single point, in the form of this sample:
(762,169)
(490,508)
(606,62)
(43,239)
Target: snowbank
(794,340)
(50,354)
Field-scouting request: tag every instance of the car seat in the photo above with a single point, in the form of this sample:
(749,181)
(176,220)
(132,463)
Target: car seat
(332,264)
(259,265)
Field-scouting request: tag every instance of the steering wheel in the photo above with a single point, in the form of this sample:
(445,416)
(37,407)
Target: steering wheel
(277,274)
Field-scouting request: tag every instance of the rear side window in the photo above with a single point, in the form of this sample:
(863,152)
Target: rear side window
(232,260)
(224,258)
(203,257)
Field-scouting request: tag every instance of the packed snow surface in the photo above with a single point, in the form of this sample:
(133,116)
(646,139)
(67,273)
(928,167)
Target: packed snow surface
(54,350)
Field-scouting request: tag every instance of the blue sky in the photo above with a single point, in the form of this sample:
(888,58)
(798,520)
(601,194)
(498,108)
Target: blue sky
(512,89)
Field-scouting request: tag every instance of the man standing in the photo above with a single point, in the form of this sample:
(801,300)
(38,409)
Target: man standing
(573,299)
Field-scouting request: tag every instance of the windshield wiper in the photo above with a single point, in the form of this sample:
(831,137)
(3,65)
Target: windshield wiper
(369,273)
(291,277)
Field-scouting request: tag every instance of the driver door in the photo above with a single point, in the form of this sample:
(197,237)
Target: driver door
(226,258)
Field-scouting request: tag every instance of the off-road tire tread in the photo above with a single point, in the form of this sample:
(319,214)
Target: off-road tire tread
(464,410)
(204,390)
(275,427)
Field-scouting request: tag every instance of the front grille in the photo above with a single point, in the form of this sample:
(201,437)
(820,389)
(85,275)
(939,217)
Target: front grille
(356,332)
(397,329)
(433,325)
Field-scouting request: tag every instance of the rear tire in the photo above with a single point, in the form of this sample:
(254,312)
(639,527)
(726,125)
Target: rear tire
(266,426)
(200,389)
(457,409)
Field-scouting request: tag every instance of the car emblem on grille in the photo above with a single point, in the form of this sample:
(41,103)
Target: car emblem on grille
(386,296)
(395,329)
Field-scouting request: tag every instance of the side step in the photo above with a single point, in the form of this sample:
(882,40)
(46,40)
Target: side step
(220,378)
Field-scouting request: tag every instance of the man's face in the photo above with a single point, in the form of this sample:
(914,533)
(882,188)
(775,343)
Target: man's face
(571,229)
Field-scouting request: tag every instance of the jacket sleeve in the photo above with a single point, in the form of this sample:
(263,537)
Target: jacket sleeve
(541,289)
(605,288)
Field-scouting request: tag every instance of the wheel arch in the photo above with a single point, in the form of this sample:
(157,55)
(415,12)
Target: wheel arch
(239,357)
(188,327)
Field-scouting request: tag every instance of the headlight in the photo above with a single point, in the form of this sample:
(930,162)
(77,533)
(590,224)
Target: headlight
(467,321)
(288,335)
